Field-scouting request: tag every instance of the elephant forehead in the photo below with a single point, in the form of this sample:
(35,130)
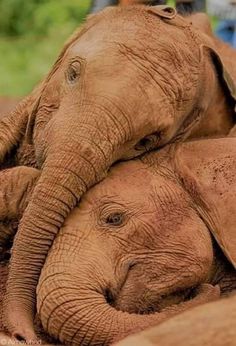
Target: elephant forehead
(127,182)
(132,27)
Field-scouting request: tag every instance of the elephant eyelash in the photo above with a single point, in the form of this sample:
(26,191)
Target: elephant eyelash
(73,72)
(115,219)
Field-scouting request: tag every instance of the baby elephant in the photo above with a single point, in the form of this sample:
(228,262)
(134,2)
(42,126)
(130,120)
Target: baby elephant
(16,188)
(141,242)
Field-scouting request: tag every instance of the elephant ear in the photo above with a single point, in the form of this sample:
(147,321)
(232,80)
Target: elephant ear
(206,170)
(221,54)
(163,11)
(202,22)
(225,77)
(13,125)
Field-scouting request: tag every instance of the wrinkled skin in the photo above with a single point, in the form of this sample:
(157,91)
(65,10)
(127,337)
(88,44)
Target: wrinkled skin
(4,338)
(119,251)
(206,293)
(142,241)
(79,121)
(17,185)
(210,324)
(16,188)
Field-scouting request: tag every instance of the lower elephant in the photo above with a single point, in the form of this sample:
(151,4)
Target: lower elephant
(17,185)
(141,243)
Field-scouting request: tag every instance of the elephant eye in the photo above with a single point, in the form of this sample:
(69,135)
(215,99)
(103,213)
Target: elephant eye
(149,142)
(115,219)
(73,72)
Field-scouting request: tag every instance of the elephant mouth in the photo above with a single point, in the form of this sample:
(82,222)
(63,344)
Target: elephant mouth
(109,297)
(149,303)
(146,302)
(168,300)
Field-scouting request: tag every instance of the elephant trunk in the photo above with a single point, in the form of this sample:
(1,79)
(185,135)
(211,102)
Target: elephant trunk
(77,315)
(67,173)
(74,309)
(78,288)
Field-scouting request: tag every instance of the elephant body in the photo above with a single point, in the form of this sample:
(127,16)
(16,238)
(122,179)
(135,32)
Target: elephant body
(79,121)
(209,324)
(139,246)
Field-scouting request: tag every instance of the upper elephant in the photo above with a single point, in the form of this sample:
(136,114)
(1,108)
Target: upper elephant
(132,79)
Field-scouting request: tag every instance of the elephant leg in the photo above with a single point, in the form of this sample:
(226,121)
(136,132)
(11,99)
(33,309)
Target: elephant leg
(16,185)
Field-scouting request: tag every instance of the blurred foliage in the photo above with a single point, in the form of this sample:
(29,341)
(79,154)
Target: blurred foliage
(32,33)
(20,17)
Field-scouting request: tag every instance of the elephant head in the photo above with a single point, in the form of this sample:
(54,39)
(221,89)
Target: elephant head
(131,80)
(140,241)
(119,272)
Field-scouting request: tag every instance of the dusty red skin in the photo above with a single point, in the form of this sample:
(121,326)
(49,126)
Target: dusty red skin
(44,338)
(16,187)
(138,188)
(3,279)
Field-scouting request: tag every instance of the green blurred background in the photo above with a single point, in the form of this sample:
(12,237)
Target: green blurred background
(32,33)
